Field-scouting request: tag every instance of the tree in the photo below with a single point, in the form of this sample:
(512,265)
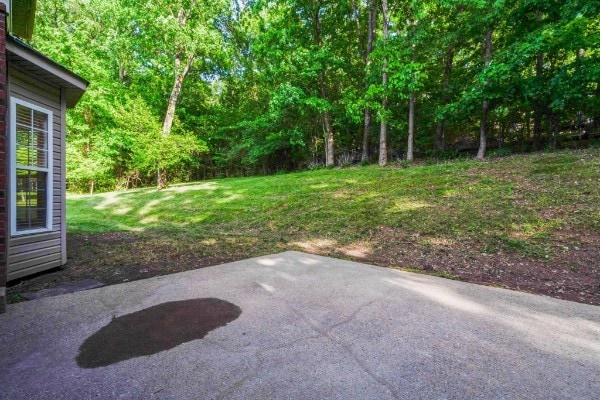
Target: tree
(384,83)
(485,108)
(177,36)
(372,11)
(195,89)
(449,34)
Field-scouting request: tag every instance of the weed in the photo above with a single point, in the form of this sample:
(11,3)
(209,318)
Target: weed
(14,298)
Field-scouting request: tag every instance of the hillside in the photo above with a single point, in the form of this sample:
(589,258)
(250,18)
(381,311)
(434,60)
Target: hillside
(529,223)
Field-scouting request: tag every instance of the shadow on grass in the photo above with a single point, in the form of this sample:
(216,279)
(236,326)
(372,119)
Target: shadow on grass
(458,201)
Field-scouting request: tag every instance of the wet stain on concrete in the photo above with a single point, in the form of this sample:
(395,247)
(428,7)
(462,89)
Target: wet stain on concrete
(155,329)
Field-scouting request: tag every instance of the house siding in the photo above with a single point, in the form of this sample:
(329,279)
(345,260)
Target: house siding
(3,160)
(31,253)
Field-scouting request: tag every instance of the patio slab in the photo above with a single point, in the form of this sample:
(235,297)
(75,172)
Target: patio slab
(300,326)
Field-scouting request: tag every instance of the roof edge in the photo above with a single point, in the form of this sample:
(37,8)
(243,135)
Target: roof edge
(27,52)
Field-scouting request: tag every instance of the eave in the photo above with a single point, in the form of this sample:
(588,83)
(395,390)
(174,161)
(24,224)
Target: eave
(22,17)
(41,67)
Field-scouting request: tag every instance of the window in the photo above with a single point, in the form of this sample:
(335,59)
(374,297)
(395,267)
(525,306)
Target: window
(31,167)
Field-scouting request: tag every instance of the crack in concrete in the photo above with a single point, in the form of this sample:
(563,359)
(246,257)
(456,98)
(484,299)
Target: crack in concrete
(241,382)
(259,354)
(328,335)
(351,316)
(321,333)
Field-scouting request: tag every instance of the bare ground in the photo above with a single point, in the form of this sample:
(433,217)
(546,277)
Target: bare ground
(572,272)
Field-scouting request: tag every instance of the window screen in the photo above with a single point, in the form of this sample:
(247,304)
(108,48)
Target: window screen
(31,168)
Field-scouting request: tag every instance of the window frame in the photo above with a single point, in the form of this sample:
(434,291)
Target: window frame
(13,166)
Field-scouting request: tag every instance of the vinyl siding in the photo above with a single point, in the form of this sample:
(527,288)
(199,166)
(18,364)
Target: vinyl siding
(32,253)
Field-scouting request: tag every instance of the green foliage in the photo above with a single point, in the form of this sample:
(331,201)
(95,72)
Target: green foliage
(264,73)
(145,147)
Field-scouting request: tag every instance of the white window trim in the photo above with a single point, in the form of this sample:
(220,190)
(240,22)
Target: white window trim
(13,167)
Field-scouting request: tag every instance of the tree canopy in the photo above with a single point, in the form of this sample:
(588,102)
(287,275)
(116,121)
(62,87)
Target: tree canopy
(191,89)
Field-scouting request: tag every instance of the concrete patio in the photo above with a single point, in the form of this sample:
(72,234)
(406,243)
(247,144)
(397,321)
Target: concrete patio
(310,328)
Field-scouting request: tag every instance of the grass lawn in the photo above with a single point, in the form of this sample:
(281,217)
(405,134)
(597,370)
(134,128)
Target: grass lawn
(525,222)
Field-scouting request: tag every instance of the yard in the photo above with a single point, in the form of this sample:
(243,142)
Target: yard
(529,223)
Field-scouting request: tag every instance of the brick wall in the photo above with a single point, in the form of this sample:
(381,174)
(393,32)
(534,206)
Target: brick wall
(3,159)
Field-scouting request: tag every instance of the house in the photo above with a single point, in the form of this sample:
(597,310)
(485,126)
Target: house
(35,93)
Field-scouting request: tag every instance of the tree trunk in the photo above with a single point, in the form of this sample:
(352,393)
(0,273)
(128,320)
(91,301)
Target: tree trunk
(527,137)
(383,137)
(439,142)
(554,127)
(411,127)
(483,130)
(411,113)
(486,104)
(161,177)
(384,80)
(366,127)
(580,58)
(180,75)
(369,49)
(538,110)
(329,145)
(329,141)
(359,36)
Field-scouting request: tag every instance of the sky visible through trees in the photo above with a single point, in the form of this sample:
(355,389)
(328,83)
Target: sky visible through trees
(191,89)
